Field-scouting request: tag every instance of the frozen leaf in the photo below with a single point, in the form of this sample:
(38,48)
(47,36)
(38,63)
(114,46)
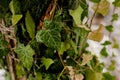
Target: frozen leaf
(76,14)
(116,3)
(86,58)
(109,28)
(103,7)
(95,1)
(103,52)
(64,47)
(25,55)
(97,35)
(47,62)
(16,18)
(30,25)
(115,17)
(106,43)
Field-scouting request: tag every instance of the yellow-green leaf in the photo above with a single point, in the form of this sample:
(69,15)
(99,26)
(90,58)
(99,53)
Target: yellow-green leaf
(12,7)
(30,25)
(76,14)
(16,18)
(103,7)
(97,35)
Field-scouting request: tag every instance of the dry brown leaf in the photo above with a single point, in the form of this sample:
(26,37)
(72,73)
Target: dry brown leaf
(97,35)
(86,58)
(79,77)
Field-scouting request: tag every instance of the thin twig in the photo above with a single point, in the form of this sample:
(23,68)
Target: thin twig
(61,60)
(61,73)
(94,15)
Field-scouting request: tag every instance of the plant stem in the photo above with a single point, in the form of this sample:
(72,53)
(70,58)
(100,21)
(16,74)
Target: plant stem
(94,15)
(61,60)
(61,73)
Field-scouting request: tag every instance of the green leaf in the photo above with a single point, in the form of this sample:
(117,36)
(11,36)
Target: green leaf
(64,47)
(19,70)
(110,28)
(51,36)
(3,48)
(112,66)
(103,52)
(107,76)
(76,14)
(25,55)
(116,3)
(16,18)
(115,45)
(115,17)
(14,7)
(106,43)
(47,62)
(30,25)
(103,7)
(95,1)
(91,75)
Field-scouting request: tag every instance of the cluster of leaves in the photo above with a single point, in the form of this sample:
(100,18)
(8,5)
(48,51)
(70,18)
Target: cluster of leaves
(58,49)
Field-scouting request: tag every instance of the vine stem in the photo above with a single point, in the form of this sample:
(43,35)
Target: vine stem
(61,59)
(94,15)
(61,73)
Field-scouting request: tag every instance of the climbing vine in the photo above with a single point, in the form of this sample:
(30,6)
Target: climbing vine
(47,39)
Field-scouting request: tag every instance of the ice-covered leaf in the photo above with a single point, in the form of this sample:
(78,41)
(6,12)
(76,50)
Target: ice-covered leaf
(76,14)
(30,25)
(103,52)
(97,35)
(47,62)
(103,7)
(16,18)
(86,58)
(116,3)
(25,55)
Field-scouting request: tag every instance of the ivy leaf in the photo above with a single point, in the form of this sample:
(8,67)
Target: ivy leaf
(112,66)
(51,36)
(64,47)
(103,52)
(3,48)
(30,25)
(116,3)
(86,58)
(97,35)
(95,1)
(47,62)
(16,18)
(106,43)
(92,75)
(76,14)
(115,45)
(107,76)
(25,55)
(109,28)
(115,17)
(103,7)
